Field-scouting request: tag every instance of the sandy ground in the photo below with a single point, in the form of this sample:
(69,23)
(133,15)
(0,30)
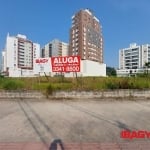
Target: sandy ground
(72,121)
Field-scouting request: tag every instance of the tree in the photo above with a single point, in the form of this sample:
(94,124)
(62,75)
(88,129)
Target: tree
(110,71)
(147,66)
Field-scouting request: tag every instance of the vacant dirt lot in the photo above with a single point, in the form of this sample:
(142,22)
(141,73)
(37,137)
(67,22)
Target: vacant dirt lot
(81,121)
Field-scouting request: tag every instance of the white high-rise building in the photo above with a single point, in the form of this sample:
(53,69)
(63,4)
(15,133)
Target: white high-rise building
(55,48)
(132,60)
(18,56)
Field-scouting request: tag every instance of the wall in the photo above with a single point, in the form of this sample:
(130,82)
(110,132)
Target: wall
(104,94)
(136,94)
(91,68)
(21,94)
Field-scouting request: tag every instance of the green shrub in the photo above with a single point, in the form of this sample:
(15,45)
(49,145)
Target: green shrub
(49,90)
(1,76)
(111,85)
(13,85)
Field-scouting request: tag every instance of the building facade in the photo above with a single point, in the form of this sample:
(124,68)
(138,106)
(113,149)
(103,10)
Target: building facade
(3,61)
(18,55)
(132,60)
(86,36)
(55,48)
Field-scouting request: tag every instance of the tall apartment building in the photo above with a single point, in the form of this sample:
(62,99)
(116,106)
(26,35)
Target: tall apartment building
(55,48)
(132,60)
(19,54)
(86,36)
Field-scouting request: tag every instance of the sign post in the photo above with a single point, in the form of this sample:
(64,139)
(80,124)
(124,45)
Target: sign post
(42,65)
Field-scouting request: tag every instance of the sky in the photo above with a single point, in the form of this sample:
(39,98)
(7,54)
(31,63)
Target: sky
(123,22)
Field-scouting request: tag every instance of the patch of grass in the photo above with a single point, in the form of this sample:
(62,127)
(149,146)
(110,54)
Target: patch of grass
(63,86)
(80,83)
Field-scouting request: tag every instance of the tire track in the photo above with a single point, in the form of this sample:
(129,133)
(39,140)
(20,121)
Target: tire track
(40,120)
(66,123)
(100,117)
(36,125)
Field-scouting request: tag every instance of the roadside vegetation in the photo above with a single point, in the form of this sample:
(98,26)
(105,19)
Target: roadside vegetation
(51,84)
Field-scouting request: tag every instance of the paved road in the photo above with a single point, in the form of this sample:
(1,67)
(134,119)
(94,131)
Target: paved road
(82,123)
